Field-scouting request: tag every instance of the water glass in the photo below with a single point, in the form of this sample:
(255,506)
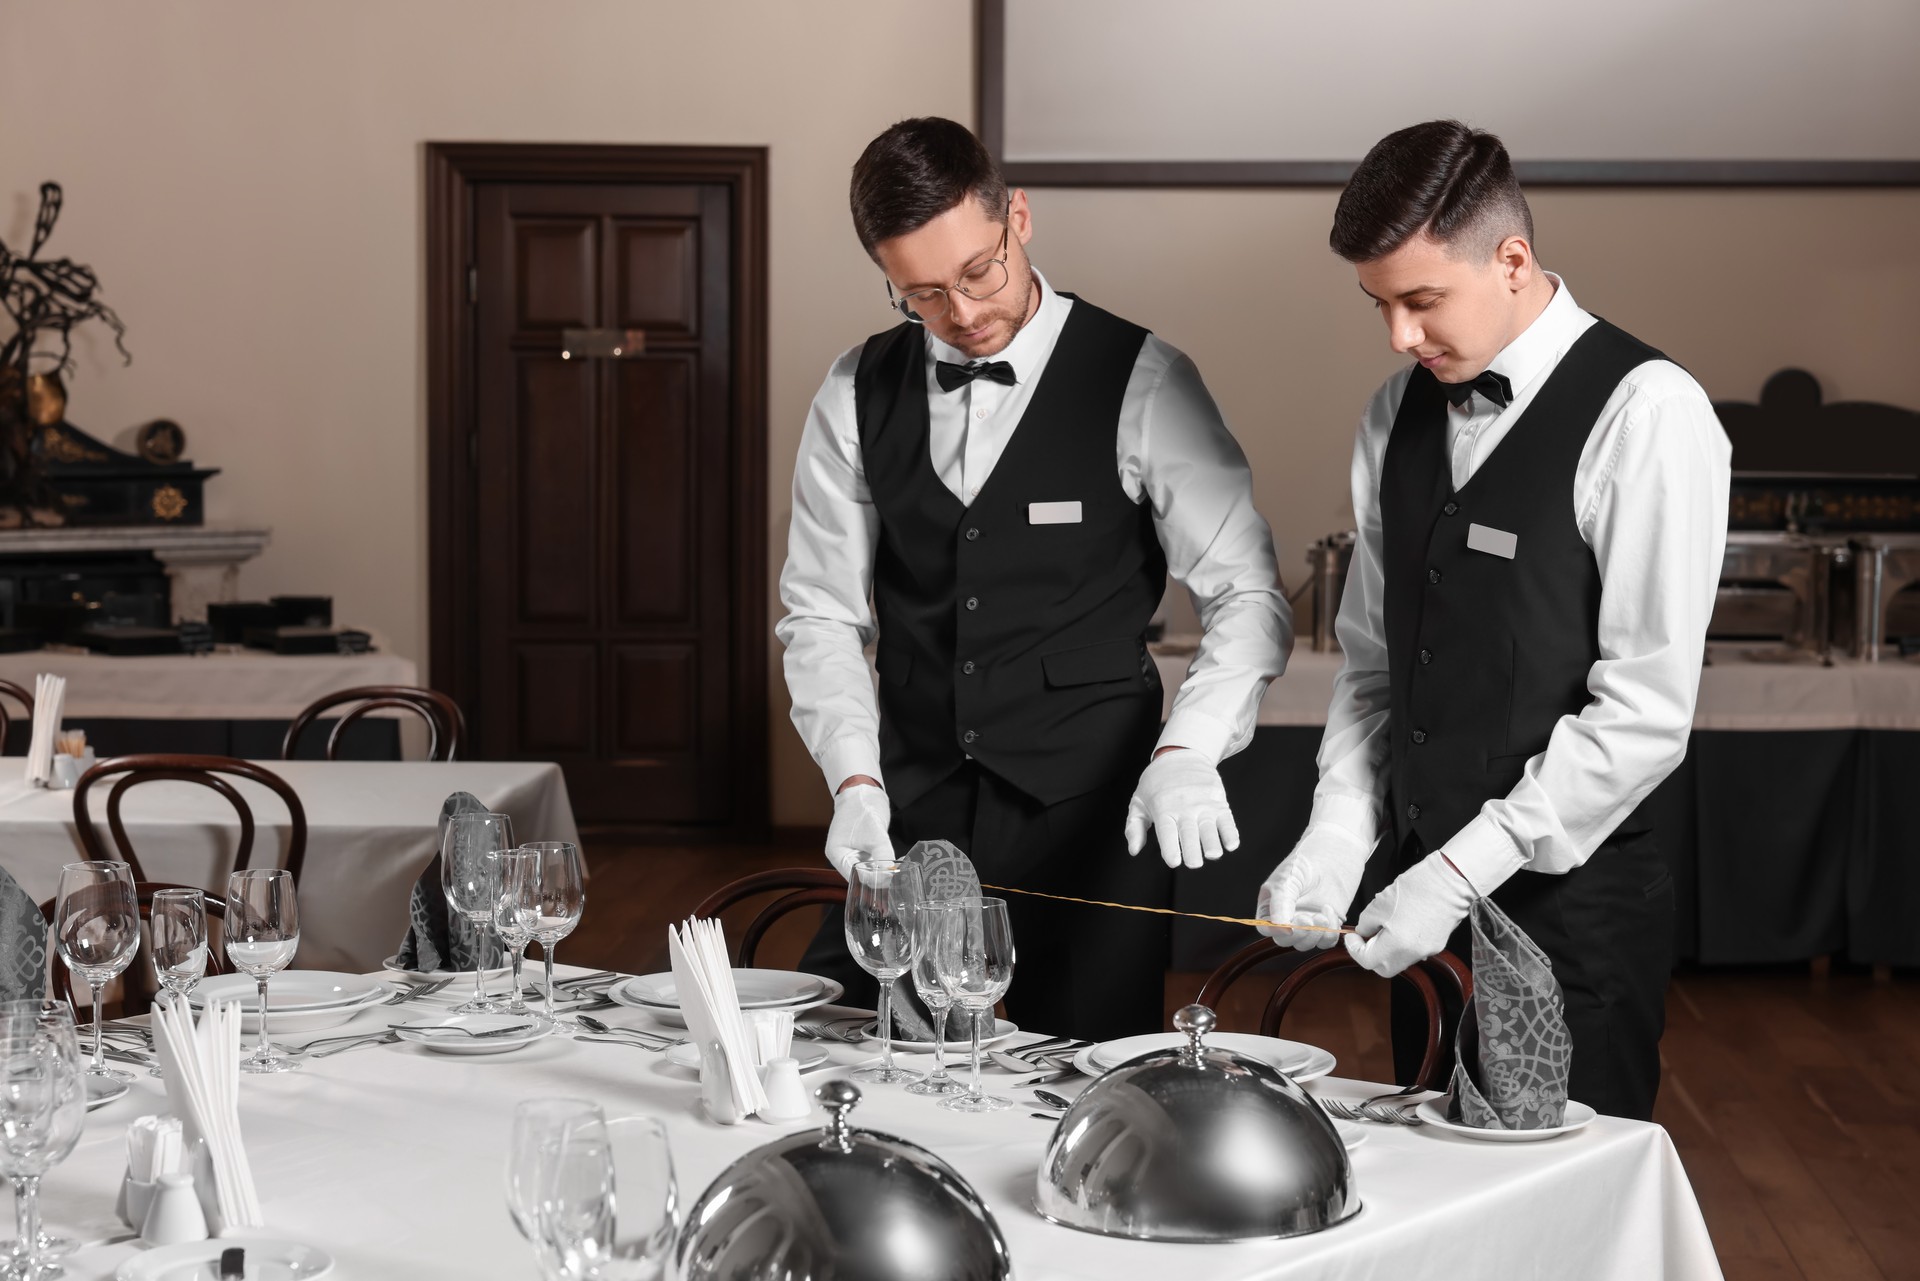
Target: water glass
(177,933)
(469,875)
(972,942)
(606,1205)
(563,899)
(537,1124)
(926,983)
(516,909)
(883,901)
(97,923)
(263,932)
(43,1109)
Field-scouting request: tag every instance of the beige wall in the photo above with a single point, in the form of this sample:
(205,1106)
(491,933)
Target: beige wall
(246,180)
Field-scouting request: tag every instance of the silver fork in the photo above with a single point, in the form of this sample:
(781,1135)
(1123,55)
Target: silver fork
(387,1037)
(1369,1112)
(417,991)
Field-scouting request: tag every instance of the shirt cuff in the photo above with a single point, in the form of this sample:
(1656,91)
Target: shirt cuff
(844,757)
(1357,816)
(1197,732)
(1485,854)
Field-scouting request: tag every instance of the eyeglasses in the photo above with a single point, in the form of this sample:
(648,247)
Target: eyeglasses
(978,282)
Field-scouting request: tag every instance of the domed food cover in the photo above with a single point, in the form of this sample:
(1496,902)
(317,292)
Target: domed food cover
(1196,1143)
(843,1205)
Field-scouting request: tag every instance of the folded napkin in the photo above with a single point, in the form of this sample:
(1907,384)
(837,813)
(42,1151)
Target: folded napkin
(945,873)
(200,1066)
(23,943)
(1513,1051)
(703,980)
(436,938)
(49,699)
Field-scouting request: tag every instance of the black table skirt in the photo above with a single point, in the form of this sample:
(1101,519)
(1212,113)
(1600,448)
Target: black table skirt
(1784,845)
(370,739)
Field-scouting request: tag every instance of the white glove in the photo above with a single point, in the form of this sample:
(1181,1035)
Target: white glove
(1182,798)
(1412,918)
(1314,886)
(858,833)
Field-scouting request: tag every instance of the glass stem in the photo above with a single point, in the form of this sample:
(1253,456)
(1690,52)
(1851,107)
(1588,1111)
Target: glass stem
(939,1042)
(546,952)
(519,1003)
(973,1087)
(886,1023)
(98,990)
(263,1051)
(26,1219)
(479,960)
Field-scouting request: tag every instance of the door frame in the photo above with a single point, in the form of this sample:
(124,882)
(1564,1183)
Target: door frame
(453,169)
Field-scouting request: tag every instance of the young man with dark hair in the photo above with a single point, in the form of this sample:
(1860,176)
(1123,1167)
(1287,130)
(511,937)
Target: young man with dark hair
(1008,475)
(1542,507)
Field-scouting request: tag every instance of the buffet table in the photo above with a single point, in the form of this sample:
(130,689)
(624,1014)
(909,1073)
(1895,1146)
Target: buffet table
(1789,827)
(392,1158)
(371,830)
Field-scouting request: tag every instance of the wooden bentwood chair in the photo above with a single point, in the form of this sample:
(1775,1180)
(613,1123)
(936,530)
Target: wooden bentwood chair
(207,771)
(21,695)
(1444,982)
(797,887)
(446,726)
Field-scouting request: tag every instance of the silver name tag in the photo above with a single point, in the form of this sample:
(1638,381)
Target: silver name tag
(1053,513)
(1495,542)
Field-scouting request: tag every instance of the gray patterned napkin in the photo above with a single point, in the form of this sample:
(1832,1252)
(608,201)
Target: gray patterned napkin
(436,938)
(945,873)
(1513,1051)
(23,943)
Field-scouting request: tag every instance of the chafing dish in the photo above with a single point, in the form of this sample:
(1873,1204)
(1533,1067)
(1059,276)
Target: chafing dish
(1885,567)
(1196,1144)
(1327,562)
(1776,587)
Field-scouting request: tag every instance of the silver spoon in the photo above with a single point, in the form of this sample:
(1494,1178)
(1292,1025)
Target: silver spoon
(592,1024)
(1053,1100)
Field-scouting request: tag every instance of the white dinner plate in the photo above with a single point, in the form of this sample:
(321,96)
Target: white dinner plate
(757,990)
(828,992)
(392,966)
(420,1032)
(268,1259)
(290,991)
(1352,1133)
(1434,1113)
(287,1022)
(688,1055)
(1002,1029)
(102,1090)
(1298,1060)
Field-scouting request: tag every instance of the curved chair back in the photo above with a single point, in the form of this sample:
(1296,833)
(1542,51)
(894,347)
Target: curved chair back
(207,771)
(797,887)
(20,694)
(137,979)
(1444,982)
(445,724)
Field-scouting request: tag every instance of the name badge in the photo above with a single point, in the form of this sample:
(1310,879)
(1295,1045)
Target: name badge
(1495,542)
(1053,513)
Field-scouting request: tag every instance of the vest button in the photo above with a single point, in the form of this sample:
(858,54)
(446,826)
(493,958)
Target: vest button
(1433,576)
(969,736)
(967,667)
(973,602)
(972,534)
(1413,811)
(1419,736)
(1450,508)
(1426,656)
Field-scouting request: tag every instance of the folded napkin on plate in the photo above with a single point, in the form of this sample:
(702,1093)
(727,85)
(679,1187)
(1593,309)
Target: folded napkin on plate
(49,700)
(438,939)
(1513,1051)
(945,873)
(200,1066)
(703,980)
(23,943)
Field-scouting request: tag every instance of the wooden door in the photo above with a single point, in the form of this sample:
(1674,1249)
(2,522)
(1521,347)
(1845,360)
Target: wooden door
(613,622)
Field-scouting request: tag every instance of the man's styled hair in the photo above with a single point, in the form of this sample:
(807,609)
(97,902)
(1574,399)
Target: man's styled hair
(916,171)
(1444,178)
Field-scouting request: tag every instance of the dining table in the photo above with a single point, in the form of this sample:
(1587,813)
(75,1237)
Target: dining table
(372,828)
(392,1158)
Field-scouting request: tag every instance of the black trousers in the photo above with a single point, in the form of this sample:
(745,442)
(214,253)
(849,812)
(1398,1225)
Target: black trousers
(1079,971)
(1607,926)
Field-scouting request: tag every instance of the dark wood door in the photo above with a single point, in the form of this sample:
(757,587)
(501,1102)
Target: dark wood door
(609,628)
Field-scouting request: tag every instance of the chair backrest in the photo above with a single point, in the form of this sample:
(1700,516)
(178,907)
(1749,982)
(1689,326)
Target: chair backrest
(445,724)
(797,887)
(20,694)
(1444,982)
(206,771)
(137,985)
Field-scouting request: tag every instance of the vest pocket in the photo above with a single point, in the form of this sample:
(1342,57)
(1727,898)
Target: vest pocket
(893,662)
(1115,660)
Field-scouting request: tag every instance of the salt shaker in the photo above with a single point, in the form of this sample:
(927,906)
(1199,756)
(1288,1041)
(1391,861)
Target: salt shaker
(786,1097)
(174,1215)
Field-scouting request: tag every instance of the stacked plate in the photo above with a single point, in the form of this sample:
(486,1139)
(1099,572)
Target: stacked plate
(1300,1061)
(757,989)
(297,1000)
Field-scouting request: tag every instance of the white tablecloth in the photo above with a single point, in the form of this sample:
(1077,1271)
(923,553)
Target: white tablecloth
(230,685)
(370,831)
(392,1158)
(1736,692)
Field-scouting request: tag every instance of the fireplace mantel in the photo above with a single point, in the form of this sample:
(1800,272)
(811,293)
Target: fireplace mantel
(202,561)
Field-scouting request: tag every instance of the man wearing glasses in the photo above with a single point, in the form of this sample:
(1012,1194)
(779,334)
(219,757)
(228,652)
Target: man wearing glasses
(1007,476)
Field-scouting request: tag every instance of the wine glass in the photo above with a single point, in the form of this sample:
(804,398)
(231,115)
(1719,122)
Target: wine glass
(468,874)
(563,899)
(263,932)
(177,933)
(926,982)
(43,1109)
(97,922)
(538,1124)
(516,909)
(973,955)
(883,898)
(605,1203)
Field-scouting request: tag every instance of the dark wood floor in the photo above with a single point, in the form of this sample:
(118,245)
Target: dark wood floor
(1794,1100)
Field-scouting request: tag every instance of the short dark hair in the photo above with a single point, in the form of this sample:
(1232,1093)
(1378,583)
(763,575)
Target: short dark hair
(916,171)
(1445,178)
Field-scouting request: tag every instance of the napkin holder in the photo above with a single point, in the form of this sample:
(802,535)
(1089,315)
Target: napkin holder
(716,1082)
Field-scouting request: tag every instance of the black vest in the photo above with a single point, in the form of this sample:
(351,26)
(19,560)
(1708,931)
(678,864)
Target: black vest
(1017,644)
(1485,654)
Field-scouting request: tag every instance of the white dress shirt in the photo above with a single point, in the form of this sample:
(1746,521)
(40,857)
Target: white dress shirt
(1172,450)
(1650,495)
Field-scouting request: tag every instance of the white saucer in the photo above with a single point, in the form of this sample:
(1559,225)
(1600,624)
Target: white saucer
(1434,1113)
(1002,1029)
(392,966)
(419,1032)
(268,1259)
(1298,1060)
(102,1090)
(688,1055)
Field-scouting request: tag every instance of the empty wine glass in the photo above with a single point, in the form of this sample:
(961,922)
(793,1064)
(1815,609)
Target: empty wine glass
(973,955)
(263,932)
(605,1203)
(883,900)
(538,1124)
(43,1109)
(468,874)
(563,899)
(97,922)
(516,909)
(177,933)
(926,982)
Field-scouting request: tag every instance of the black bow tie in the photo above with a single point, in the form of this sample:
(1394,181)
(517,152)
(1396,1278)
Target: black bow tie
(1494,387)
(951,375)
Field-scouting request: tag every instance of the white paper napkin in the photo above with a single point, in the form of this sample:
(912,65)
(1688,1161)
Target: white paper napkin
(703,978)
(201,1069)
(49,701)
